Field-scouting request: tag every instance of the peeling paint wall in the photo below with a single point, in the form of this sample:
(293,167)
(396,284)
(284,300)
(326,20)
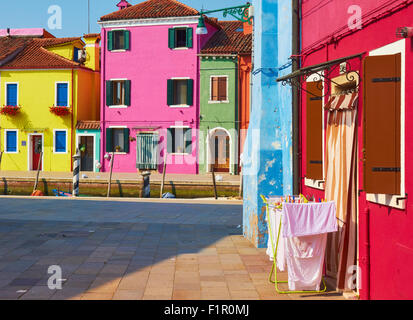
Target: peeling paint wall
(267,158)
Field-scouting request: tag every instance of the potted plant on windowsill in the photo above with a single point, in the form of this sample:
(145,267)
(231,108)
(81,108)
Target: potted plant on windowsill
(10,110)
(118,149)
(60,110)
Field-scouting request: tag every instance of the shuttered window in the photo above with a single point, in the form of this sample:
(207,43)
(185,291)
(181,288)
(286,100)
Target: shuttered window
(219,88)
(180,38)
(11,141)
(179,140)
(180,92)
(314,134)
(117,140)
(62,94)
(118,40)
(118,93)
(382,102)
(11,91)
(60,138)
(147,151)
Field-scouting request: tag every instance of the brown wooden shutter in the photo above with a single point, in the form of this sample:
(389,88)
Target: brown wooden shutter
(214,89)
(222,88)
(314,120)
(382,97)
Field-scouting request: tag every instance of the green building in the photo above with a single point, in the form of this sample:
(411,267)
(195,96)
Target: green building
(219,98)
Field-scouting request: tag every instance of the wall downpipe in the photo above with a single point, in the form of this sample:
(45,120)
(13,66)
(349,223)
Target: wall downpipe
(366,259)
(295,95)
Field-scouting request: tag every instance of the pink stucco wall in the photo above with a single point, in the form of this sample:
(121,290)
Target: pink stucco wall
(390,275)
(148,64)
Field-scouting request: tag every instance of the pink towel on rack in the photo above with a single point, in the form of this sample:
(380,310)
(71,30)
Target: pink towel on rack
(304,219)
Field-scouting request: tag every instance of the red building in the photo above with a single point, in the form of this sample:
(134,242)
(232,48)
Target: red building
(355,146)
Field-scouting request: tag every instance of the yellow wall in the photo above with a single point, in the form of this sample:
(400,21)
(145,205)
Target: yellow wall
(66,50)
(36,93)
(92,53)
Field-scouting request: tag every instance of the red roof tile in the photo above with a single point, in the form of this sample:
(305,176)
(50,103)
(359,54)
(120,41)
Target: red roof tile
(36,56)
(10,46)
(152,9)
(88,125)
(229,40)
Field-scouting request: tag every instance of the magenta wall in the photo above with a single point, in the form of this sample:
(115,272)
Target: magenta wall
(391,240)
(148,64)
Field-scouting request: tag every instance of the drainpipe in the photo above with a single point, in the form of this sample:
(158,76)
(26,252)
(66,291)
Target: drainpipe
(296,95)
(365,276)
(71,126)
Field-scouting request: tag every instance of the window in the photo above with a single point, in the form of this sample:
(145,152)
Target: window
(117,140)
(314,134)
(147,151)
(62,93)
(179,140)
(118,92)
(11,141)
(60,141)
(118,40)
(219,89)
(180,92)
(180,38)
(76,54)
(382,124)
(11,94)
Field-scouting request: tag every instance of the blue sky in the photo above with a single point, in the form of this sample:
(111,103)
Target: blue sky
(34,13)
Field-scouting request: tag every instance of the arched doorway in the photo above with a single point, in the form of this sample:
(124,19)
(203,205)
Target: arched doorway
(219,150)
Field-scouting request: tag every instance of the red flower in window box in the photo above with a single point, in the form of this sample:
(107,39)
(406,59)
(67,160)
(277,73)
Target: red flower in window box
(60,110)
(10,110)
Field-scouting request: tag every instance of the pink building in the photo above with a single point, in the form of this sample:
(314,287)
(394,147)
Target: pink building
(150,81)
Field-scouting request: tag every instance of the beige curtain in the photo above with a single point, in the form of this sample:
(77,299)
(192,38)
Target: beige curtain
(340,186)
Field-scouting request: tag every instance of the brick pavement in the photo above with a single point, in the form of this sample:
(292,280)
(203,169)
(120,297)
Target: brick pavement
(131,250)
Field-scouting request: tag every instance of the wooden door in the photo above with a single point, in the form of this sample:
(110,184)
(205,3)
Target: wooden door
(36,142)
(221,153)
(86,153)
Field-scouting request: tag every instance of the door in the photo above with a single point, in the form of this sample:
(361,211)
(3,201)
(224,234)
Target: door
(221,151)
(147,151)
(36,147)
(86,153)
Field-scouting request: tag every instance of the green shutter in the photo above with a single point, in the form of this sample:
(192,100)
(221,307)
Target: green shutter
(127,92)
(188,140)
(126,35)
(189,37)
(126,140)
(109,140)
(170,92)
(190,92)
(110,40)
(169,140)
(171,38)
(109,93)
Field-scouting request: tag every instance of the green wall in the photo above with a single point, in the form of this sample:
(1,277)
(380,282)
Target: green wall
(218,115)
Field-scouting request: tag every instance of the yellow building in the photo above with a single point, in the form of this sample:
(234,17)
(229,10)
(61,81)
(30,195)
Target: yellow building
(47,85)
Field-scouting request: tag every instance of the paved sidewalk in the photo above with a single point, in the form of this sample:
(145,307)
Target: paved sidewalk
(131,250)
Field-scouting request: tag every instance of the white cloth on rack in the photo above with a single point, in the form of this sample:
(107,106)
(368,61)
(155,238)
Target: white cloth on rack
(305,258)
(304,219)
(275,219)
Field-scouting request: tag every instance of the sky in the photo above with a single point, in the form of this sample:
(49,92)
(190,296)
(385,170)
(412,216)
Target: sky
(34,13)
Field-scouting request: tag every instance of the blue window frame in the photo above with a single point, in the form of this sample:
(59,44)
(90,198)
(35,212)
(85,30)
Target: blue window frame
(62,94)
(60,141)
(11,94)
(11,141)
(76,54)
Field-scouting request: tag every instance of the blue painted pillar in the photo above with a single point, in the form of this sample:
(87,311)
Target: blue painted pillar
(267,159)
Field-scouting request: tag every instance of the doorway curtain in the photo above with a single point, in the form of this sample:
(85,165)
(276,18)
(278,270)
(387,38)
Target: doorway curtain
(340,186)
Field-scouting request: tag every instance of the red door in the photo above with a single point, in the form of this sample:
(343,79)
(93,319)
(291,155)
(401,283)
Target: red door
(36,142)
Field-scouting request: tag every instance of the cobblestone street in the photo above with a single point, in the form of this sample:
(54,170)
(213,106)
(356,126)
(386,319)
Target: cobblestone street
(131,250)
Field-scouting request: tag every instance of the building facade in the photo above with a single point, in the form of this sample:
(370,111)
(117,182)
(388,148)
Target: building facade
(150,87)
(48,84)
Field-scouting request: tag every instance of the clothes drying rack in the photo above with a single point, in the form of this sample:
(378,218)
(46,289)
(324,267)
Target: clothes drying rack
(275,250)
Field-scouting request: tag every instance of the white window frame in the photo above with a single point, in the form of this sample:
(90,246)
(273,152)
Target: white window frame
(181,105)
(17,140)
(119,127)
(118,50)
(120,106)
(387,199)
(210,89)
(181,27)
(5,91)
(313,183)
(178,153)
(68,90)
(54,141)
